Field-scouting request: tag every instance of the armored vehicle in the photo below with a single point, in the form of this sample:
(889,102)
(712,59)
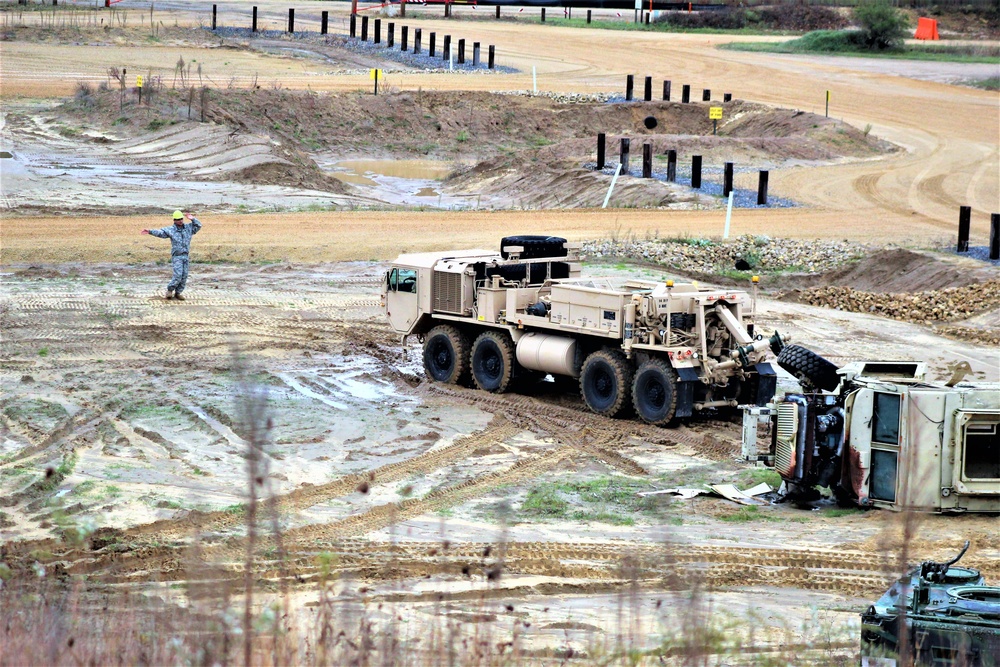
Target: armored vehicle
(882,436)
(936,615)
(665,349)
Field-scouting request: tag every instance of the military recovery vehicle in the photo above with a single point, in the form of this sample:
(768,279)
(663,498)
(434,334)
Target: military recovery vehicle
(877,434)
(665,349)
(936,615)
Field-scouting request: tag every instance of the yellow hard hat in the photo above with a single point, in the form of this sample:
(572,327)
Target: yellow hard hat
(178,215)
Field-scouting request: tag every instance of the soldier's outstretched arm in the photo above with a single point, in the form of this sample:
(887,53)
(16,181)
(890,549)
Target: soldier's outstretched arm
(195,223)
(160,233)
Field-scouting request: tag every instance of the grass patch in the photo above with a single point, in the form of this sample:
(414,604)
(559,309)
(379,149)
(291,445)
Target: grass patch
(746,514)
(845,43)
(545,503)
(759,475)
(992,83)
(835,512)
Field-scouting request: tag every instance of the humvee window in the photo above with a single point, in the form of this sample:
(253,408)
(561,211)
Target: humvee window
(882,484)
(885,422)
(982,451)
(403,280)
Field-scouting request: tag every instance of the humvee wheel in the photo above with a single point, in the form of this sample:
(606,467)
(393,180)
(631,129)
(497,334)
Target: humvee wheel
(493,361)
(606,382)
(806,365)
(446,354)
(654,392)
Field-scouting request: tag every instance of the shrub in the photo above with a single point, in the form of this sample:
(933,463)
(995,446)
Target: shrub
(802,17)
(882,25)
(827,40)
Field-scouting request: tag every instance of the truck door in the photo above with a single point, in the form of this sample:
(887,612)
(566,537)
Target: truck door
(401,298)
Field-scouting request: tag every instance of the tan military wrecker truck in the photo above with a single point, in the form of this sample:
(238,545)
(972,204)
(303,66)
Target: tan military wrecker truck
(667,350)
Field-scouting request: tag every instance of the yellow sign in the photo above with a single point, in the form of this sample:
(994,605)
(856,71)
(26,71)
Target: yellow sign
(138,81)
(375,74)
(715,113)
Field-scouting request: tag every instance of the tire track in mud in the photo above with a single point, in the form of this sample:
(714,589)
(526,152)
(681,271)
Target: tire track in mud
(497,430)
(517,408)
(383,516)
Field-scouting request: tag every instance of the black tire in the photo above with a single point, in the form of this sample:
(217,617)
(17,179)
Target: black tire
(606,382)
(535,246)
(446,355)
(654,392)
(493,361)
(806,365)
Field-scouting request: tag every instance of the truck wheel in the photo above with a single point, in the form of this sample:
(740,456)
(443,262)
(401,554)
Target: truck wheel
(535,246)
(606,382)
(493,361)
(446,355)
(806,365)
(654,392)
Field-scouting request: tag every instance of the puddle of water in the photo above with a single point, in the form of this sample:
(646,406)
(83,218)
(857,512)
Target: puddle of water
(428,170)
(426,192)
(4,155)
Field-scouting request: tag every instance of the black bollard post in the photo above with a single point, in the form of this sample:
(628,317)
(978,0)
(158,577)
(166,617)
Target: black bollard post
(647,18)
(995,236)
(447,9)
(378,31)
(353,30)
(762,188)
(964,221)
(215,9)
(672,166)
(445,47)
(416,40)
(498,11)
(686,94)
(324,23)
(727,97)
(291,21)
(601,138)
(431,50)
(475,54)
(666,91)
(404,37)
(623,155)
(543,14)
(253,21)
(364,28)
(727,180)
(588,17)
(390,34)
(696,171)
(629,84)
(461,52)
(493,54)
(647,160)
(648,91)
(706,95)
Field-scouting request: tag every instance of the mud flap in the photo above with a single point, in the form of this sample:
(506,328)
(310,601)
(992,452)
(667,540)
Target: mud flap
(687,379)
(762,385)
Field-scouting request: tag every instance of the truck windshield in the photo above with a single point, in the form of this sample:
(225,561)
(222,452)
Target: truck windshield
(403,280)
(885,423)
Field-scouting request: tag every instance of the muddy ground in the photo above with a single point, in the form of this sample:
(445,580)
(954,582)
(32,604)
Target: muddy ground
(127,413)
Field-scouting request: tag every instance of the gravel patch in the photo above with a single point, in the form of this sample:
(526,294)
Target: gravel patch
(761,253)
(980,252)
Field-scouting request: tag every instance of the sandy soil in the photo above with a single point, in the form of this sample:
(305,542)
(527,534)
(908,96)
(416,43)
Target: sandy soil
(126,411)
(133,401)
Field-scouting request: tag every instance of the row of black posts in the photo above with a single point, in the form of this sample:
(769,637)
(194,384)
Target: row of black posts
(647,167)
(404,35)
(706,93)
(324,20)
(965,221)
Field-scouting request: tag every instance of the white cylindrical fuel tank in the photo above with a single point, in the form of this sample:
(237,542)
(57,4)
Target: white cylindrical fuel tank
(547,353)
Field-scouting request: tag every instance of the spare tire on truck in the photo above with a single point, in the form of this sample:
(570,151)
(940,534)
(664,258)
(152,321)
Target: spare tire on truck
(534,246)
(806,365)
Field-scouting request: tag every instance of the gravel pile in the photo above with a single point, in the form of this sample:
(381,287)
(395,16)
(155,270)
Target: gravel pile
(981,336)
(562,98)
(944,305)
(762,253)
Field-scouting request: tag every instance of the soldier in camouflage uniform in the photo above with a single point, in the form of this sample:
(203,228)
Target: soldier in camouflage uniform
(180,245)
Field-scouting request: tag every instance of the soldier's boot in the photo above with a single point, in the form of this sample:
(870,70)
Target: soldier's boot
(178,297)
(170,294)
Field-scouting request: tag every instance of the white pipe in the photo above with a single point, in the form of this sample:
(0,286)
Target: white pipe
(534,79)
(729,215)
(614,180)
(451,59)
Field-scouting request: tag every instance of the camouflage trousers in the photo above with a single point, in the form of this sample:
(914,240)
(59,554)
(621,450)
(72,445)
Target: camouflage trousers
(180,264)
